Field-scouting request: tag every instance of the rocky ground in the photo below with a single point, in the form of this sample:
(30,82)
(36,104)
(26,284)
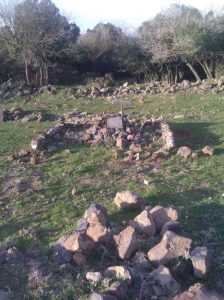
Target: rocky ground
(56,245)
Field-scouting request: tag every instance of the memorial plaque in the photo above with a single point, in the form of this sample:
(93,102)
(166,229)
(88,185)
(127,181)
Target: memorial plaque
(115,122)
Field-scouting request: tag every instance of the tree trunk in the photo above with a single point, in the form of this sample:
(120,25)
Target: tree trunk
(45,73)
(208,69)
(41,76)
(204,68)
(194,72)
(27,72)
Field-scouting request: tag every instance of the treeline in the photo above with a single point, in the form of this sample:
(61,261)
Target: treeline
(39,44)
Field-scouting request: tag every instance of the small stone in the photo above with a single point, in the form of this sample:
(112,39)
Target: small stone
(120,143)
(96,296)
(173,226)
(21,185)
(208,150)
(98,233)
(170,247)
(126,242)
(34,160)
(23,152)
(119,289)
(161,215)
(144,223)
(118,272)
(79,258)
(87,137)
(128,199)
(185,152)
(166,284)
(94,277)
(11,157)
(201,260)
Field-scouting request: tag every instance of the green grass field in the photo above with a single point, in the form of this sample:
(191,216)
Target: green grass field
(33,220)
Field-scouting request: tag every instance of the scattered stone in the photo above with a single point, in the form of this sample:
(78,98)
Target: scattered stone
(98,233)
(161,215)
(96,296)
(82,225)
(118,272)
(79,258)
(76,241)
(62,255)
(201,260)
(34,160)
(23,152)
(120,143)
(173,226)
(126,242)
(96,214)
(140,261)
(128,199)
(21,185)
(144,223)
(11,157)
(185,152)
(170,247)
(165,284)
(208,150)
(94,277)
(119,289)
(198,292)
(182,269)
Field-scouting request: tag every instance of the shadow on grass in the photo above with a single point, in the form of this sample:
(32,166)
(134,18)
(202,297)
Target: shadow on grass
(194,135)
(47,116)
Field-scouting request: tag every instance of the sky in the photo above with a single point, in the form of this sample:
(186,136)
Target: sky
(125,13)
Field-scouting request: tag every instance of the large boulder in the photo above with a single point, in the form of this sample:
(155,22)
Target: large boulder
(126,242)
(144,223)
(201,260)
(127,199)
(161,215)
(170,247)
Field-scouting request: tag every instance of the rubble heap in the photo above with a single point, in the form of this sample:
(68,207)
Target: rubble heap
(15,113)
(81,128)
(113,262)
(153,87)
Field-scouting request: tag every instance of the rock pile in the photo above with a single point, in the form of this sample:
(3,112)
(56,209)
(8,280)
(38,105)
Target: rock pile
(124,271)
(132,134)
(15,113)
(10,88)
(11,114)
(153,87)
